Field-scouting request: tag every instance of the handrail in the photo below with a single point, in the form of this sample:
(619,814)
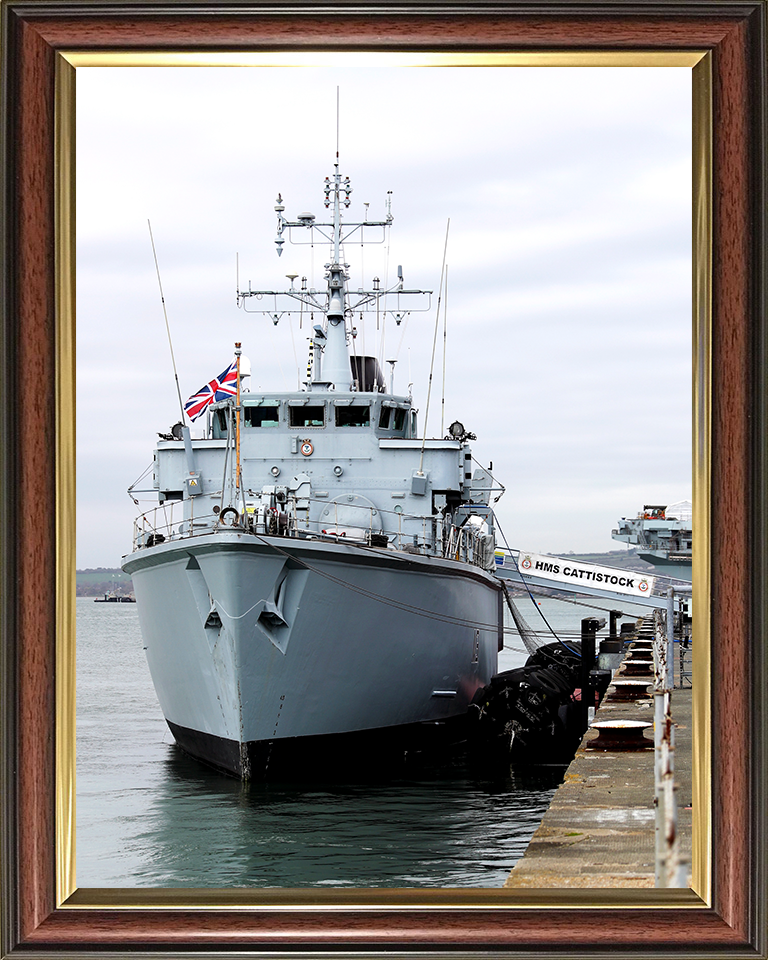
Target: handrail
(669,870)
(167,523)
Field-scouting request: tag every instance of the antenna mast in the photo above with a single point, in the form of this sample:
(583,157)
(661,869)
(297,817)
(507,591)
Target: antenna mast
(189,456)
(167,326)
(434,343)
(445,348)
(338,304)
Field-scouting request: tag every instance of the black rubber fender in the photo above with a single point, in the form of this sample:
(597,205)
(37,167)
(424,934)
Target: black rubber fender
(549,682)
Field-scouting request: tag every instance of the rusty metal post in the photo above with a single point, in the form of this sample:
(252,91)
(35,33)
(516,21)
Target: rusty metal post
(668,868)
(659,650)
(670,679)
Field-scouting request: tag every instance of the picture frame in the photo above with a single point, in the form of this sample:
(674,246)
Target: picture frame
(43,912)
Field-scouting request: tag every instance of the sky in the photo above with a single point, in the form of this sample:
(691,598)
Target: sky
(568,263)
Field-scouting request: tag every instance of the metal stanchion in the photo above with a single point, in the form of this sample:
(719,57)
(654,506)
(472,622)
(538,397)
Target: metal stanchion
(669,871)
(593,682)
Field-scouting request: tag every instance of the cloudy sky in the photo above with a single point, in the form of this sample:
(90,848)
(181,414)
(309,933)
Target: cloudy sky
(569,273)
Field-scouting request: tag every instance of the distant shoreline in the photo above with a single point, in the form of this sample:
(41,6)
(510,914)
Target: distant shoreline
(98,581)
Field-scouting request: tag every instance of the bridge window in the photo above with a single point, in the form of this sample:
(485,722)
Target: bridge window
(399,418)
(308,416)
(384,417)
(262,416)
(357,416)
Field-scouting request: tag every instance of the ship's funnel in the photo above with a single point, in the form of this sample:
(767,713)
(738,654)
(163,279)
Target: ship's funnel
(367,372)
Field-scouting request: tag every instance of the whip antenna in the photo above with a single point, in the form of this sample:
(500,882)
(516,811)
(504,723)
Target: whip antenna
(434,343)
(445,348)
(167,326)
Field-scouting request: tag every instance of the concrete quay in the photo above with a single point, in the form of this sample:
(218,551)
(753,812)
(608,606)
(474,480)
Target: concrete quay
(599,830)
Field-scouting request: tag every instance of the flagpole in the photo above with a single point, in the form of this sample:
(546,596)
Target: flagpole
(238,476)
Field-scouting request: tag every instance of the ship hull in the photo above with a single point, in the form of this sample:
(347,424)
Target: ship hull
(669,567)
(365,754)
(261,649)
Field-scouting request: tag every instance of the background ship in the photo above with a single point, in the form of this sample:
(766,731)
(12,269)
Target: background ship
(319,576)
(663,535)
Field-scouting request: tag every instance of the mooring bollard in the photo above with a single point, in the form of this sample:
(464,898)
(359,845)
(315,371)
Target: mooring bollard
(619,735)
(639,652)
(637,668)
(630,689)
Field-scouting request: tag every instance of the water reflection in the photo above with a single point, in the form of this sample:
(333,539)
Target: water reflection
(449,830)
(149,816)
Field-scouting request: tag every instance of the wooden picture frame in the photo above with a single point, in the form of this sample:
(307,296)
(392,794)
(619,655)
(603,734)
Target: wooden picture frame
(41,913)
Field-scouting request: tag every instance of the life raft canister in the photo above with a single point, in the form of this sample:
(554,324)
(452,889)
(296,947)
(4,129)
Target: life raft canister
(232,510)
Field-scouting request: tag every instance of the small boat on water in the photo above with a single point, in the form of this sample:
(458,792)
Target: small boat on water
(663,535)
(114,598)
(319,577)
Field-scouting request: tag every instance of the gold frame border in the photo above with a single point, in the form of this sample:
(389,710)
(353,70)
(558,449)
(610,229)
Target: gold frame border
(65,680)
(247,58)
(67,893)
(701,853)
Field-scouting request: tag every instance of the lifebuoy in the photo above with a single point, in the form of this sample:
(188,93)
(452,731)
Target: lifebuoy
(227,510)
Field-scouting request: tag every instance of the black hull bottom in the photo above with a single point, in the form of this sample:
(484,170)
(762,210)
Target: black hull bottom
(368,753)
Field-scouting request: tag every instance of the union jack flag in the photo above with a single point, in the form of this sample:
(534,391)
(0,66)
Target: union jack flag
(221,387)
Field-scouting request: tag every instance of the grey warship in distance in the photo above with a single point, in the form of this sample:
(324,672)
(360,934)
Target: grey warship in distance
(663,535)
(318,577)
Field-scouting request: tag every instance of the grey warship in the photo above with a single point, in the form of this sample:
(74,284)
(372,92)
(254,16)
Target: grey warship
(318,577)
(663,536)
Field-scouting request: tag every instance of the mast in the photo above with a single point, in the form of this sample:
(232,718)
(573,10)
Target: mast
(238,470)
(329,353)
(336,367)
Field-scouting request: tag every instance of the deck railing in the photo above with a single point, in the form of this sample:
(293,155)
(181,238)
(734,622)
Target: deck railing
(167,522)
(177,520)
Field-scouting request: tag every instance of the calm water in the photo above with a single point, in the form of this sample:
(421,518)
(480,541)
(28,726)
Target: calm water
(147,815)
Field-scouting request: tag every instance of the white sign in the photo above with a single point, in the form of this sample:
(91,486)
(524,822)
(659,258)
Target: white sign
(564,570)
